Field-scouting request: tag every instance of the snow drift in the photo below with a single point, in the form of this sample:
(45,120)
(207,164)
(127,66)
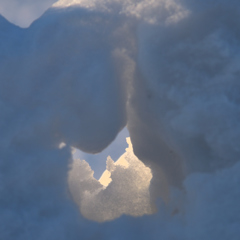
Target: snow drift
(82,72)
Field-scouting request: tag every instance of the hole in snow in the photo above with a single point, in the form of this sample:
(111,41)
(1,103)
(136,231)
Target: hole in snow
(123,188)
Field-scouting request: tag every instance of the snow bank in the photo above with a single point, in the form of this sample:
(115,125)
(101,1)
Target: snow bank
(82,72)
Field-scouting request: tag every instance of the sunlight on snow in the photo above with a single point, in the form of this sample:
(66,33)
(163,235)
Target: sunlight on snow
(105,179)
(123,188)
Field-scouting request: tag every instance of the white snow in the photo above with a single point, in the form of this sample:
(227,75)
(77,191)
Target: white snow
(168,70)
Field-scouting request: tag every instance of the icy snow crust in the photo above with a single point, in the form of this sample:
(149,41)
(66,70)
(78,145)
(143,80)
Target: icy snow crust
(167,69)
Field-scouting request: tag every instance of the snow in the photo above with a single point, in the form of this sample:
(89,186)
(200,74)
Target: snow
(77,76)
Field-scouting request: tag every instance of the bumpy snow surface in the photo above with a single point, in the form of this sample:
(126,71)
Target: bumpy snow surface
(169,71)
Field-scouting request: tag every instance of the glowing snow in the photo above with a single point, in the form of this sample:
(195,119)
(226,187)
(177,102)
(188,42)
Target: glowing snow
(124,188)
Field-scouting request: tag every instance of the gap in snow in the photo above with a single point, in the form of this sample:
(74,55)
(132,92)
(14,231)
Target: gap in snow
(124,187)
(98,161)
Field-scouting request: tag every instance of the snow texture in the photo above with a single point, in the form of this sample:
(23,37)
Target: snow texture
(109,197)
(166,69)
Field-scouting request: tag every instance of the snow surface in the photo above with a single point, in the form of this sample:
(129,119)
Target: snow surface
(166,69)
(122,189)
